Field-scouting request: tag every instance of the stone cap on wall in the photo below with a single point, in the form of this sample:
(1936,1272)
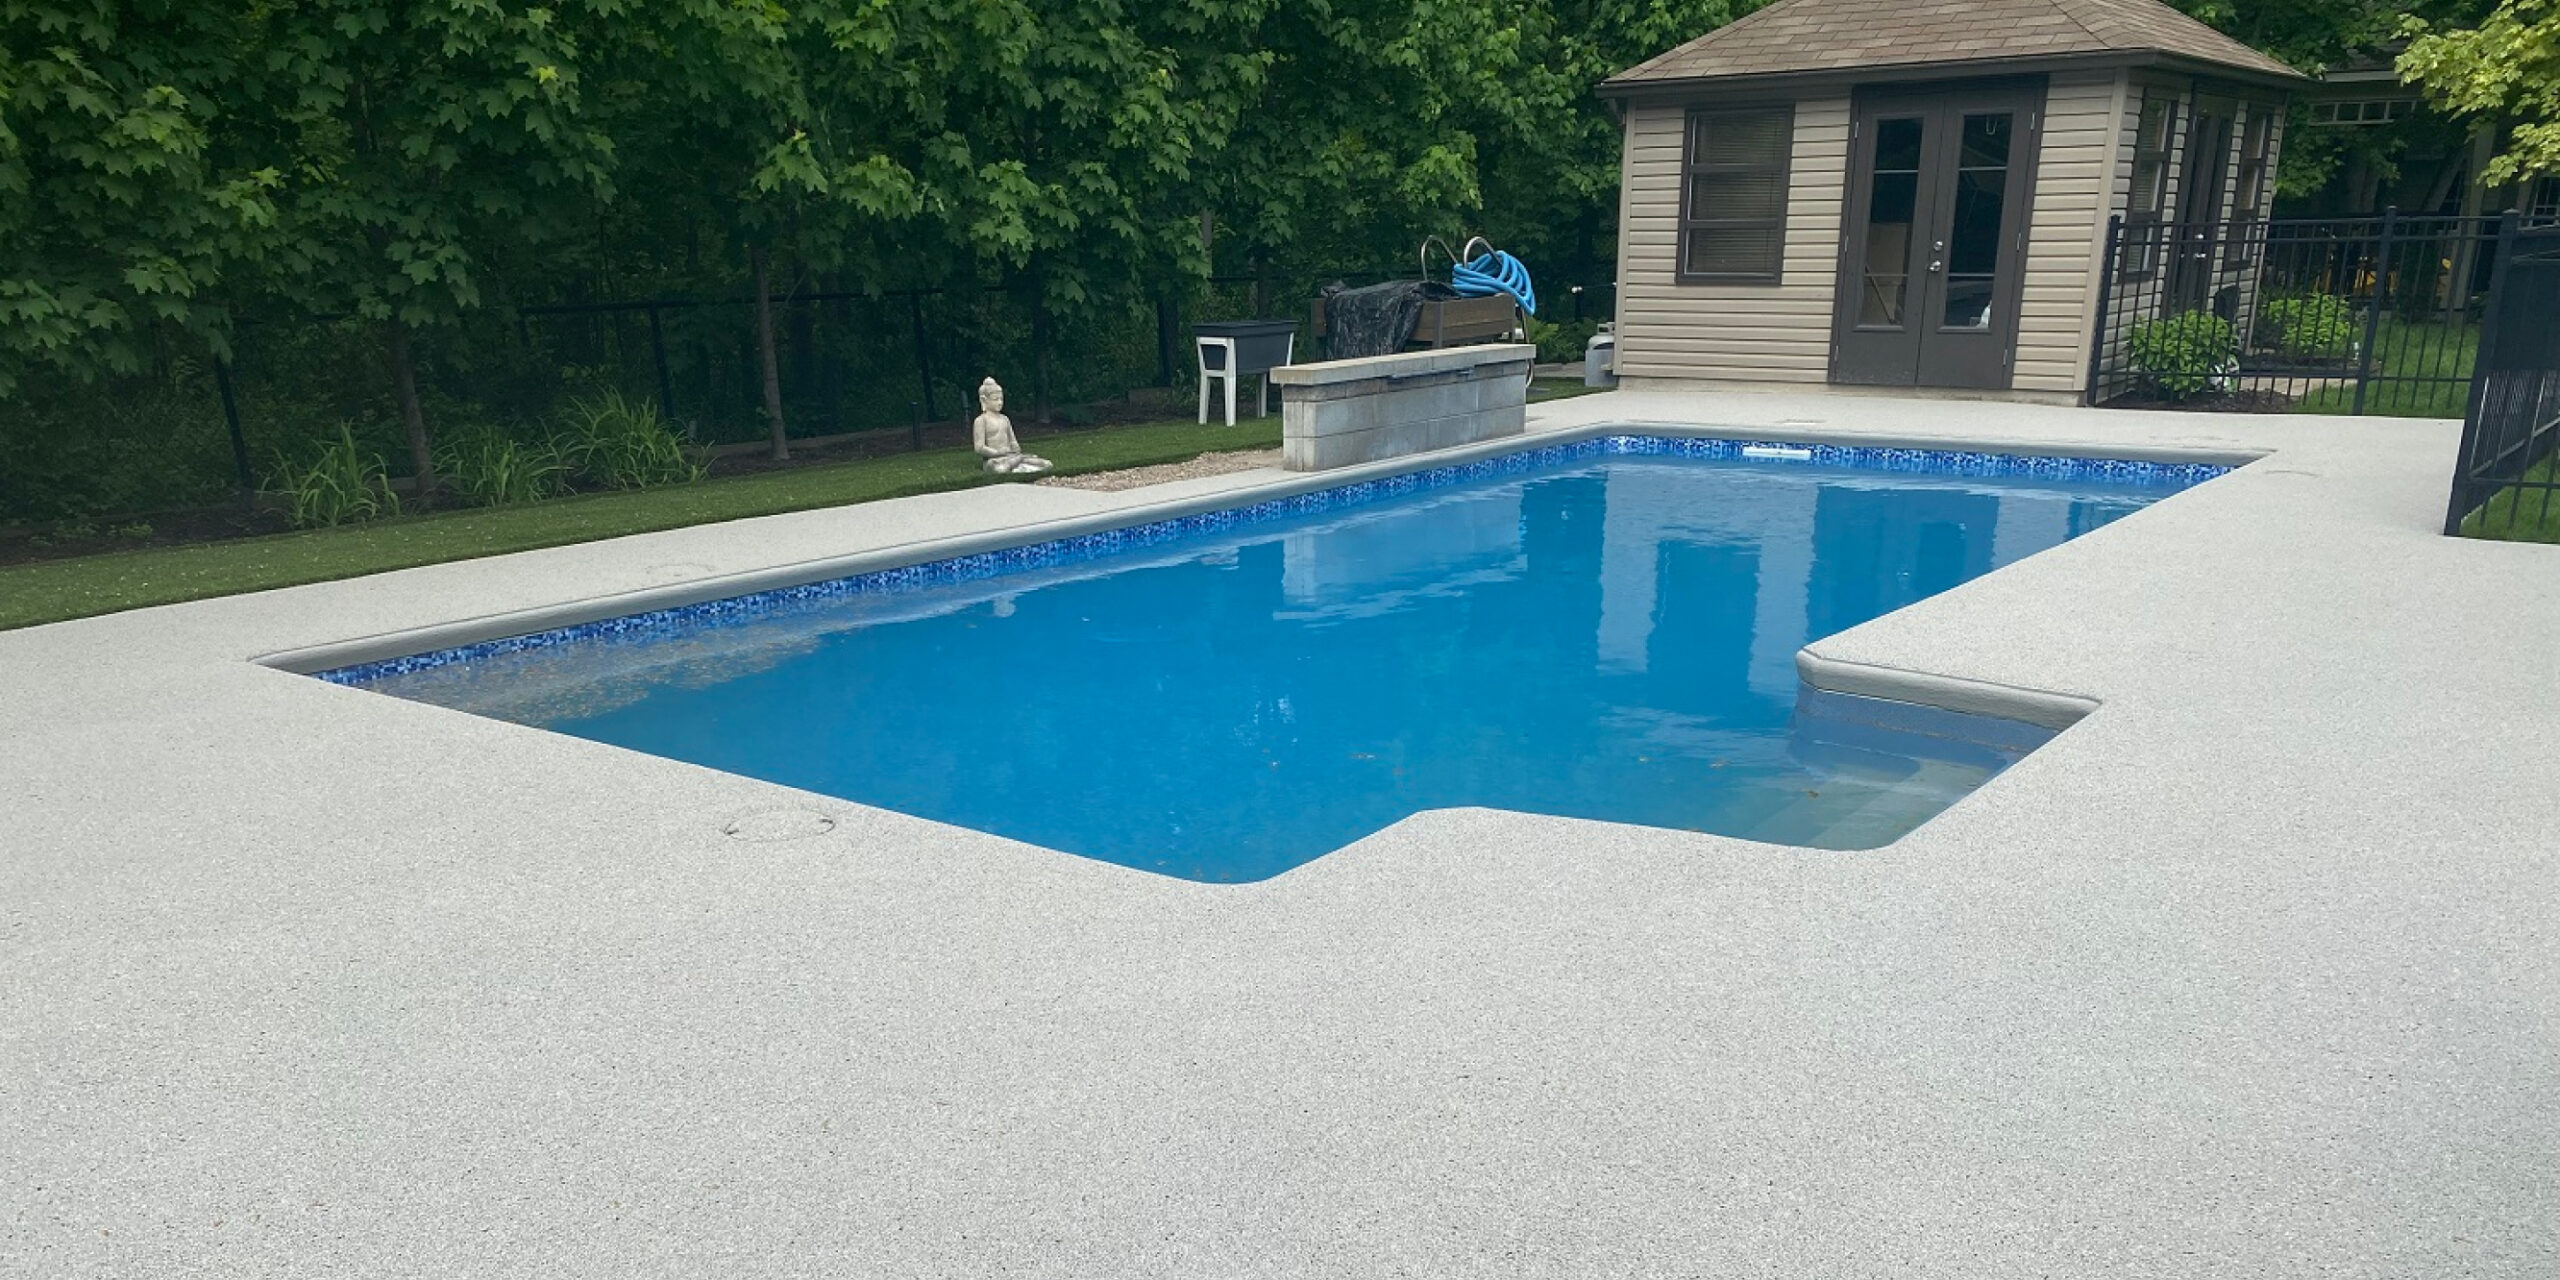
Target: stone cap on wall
(1404,364)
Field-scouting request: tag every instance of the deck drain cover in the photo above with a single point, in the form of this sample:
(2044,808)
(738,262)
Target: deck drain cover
(679,572)
(770,826)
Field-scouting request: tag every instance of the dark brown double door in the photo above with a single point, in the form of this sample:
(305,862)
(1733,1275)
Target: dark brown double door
(1935,247)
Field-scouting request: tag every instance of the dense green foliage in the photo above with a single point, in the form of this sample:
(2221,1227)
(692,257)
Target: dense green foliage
(488,468)
(2322,35)
(375,212)
(351,197)
(2506,69)
(612,441)
(339,482)
(2306,324)
(2183,355)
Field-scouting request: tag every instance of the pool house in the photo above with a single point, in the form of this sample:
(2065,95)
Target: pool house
(1917,195)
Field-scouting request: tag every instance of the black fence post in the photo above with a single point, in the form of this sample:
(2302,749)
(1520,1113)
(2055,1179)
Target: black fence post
(2373,312)
(924,352)
(231,419)
(658,354)
(2484,360)
(2106,296)
(1164,340)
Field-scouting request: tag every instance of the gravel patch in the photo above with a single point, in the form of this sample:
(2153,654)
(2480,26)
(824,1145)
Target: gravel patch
(1207,464)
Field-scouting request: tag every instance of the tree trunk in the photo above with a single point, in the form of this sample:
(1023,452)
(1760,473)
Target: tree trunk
(764,355)
(413,416)
(1040,359)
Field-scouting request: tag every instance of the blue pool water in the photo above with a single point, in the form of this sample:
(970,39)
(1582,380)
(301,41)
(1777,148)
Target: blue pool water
(1591,632)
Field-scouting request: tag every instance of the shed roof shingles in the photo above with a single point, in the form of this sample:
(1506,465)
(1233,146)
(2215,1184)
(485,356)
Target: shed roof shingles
(1794,36)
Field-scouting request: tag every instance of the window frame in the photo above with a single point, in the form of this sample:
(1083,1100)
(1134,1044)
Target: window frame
(1782,166)
(2541,202)
(2360,113)
(2151,250)
(2252,179)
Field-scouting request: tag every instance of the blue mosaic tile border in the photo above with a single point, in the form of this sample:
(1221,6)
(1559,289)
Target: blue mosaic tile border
(1086,546)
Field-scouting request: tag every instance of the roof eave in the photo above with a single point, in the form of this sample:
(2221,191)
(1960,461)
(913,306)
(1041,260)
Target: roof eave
(1923,72)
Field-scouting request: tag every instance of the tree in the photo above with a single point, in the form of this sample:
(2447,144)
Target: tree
(426,139)
(1056,142)
(2508,68)
(120,207)
(1551,169)
(779,136)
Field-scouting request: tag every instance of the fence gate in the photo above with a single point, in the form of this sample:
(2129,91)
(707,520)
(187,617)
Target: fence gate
(2507,477)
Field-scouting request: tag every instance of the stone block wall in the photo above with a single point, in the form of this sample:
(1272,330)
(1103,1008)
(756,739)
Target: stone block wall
(1339,413)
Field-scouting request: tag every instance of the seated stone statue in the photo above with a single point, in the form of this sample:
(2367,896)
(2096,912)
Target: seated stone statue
(992,433)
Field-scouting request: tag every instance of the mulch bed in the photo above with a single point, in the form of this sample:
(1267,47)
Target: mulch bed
(2212,402)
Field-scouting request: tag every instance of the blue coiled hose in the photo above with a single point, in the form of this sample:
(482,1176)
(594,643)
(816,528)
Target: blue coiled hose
(1495,272)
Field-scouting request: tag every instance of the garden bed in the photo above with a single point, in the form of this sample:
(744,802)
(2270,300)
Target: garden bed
(2251,401)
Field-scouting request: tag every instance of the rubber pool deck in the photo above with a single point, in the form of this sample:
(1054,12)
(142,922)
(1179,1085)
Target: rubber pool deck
(2253,972)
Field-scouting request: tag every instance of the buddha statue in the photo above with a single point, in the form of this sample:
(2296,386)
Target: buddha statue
(992,434)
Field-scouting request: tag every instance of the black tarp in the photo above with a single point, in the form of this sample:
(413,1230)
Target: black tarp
(1378,319)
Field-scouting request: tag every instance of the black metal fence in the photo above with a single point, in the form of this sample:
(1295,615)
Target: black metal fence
(853,360)
(190,432)
(2506,479)
(2333,315)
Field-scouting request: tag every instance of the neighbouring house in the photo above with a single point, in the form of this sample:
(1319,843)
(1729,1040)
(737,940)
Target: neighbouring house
(2383,146)
(1915,193)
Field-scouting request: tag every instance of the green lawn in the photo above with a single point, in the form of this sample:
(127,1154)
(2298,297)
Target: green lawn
(2409,349)
(53,590)
(2520,515)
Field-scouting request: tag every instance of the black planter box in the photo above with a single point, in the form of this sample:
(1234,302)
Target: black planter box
(1260,344)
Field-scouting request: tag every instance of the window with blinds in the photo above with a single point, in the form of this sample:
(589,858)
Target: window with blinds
(1733,199)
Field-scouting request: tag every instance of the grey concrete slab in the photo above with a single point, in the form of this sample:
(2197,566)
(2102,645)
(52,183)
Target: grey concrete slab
(2250,972)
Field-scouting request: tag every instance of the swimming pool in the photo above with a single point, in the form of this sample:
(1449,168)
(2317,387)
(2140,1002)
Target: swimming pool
(1602,629)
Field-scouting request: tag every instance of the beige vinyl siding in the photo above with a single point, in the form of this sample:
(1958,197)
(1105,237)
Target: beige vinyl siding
(1742,332)
(2079,171)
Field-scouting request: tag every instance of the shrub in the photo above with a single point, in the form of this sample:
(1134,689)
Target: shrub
(2314,324)
(1561,342)
(489,468)
(2183,355)
(342,482)
(619,443)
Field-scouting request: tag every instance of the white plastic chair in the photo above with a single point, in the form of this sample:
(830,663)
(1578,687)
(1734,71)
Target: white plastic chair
(1224,370)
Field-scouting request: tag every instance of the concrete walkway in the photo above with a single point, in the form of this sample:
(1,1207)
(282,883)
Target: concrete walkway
(2252,973)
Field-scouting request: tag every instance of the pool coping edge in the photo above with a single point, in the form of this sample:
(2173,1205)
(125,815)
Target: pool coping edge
(311,660)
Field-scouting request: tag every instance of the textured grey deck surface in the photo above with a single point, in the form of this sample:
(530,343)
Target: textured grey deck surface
(2253,973)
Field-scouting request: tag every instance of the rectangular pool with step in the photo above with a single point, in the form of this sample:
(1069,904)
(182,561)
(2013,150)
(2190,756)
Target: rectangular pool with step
(1602,629)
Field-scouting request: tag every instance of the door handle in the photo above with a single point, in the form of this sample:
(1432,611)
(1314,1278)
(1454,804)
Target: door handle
(1934,264)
